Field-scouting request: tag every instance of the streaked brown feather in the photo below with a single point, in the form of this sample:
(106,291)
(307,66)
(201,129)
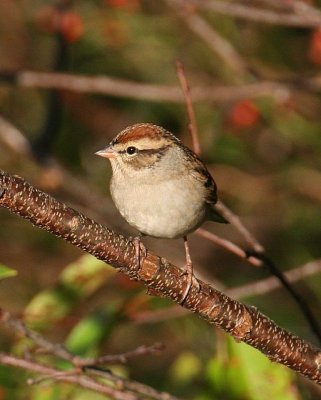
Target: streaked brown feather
(141,131)
(202,174)
(144,135)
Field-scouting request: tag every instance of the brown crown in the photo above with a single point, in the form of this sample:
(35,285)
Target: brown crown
(140,131)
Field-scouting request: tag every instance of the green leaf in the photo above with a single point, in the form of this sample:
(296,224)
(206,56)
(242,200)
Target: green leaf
(6,272)
(185,368)
(87,335)
(244,372)
(264,379)
(77,281)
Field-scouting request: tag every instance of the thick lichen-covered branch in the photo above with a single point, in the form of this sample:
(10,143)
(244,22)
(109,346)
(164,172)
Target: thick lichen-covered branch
(160,277)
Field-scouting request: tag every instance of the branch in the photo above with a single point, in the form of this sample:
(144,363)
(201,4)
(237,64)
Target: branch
(60,351)
(111,86)
(13,138)
(229,246)
(217,43)
(81,365)
(161,278)
(264,286)
(257,288)
(256,256)
(304,20)
(79,378)
(51,373)
(189,106)
(235,220)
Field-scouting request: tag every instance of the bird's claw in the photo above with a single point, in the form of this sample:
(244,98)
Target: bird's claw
(140,251)
(189,281)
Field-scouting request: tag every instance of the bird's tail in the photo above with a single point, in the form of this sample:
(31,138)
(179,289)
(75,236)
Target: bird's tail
(217,217)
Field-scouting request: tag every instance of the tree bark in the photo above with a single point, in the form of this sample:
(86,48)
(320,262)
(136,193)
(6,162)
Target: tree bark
(161,278)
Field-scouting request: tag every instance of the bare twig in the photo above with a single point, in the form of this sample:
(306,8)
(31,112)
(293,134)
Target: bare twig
(13,138)
(60,351)
(83,364)
(134,386)
(238,224)
(190,110)
(80,379)
(283,5)
(106,85)
(302,303)
(160,277)
(216,42)
(18,326)
(257,254)
(233,9)
(124,357)
(303,8)
(229,246)
(267,285)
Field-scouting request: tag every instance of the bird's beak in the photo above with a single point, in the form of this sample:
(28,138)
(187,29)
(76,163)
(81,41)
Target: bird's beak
(108,152)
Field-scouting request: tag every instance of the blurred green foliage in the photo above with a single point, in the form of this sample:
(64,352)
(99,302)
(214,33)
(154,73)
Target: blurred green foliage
(6,272)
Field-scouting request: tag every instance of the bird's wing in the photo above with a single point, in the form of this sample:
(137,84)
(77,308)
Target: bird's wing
(202,174)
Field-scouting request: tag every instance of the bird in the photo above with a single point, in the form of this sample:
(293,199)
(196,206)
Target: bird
(160,186)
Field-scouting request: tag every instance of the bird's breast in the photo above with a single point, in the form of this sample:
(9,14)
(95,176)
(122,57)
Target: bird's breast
(167,209)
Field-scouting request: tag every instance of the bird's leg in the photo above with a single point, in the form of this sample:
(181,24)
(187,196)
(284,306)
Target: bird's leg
(140,250)
(188,270)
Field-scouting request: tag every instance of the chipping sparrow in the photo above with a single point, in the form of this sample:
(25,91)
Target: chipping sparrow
(160,186)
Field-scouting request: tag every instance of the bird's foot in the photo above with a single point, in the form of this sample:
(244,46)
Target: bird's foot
(140,251)
(188,271)
(189,281)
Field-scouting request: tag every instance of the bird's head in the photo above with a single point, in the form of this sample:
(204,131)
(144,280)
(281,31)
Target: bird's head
(138,147)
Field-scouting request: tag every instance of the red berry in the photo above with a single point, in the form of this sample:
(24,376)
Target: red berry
(244,114)
(129,4)
(314,51)
(71,26)
(116,3)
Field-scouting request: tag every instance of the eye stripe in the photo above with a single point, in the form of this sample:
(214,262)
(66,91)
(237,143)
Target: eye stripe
(146,152)
(160,150)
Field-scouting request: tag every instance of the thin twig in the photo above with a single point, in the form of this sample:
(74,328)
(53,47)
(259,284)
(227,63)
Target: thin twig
(189,107)
(229,246)
(124,357)
(235,220)
(280,90)
(111,86)
(80,379)
(13,138)
(303,305)
(255,14)
(303,8)
(81,364)
(18,326)
(267,285)
(257,251)
(60,351)
(133,385)
(217,43)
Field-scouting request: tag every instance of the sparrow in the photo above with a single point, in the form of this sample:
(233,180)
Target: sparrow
(160,186)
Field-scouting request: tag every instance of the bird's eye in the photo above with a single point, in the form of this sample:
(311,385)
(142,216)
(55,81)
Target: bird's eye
(131,150)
